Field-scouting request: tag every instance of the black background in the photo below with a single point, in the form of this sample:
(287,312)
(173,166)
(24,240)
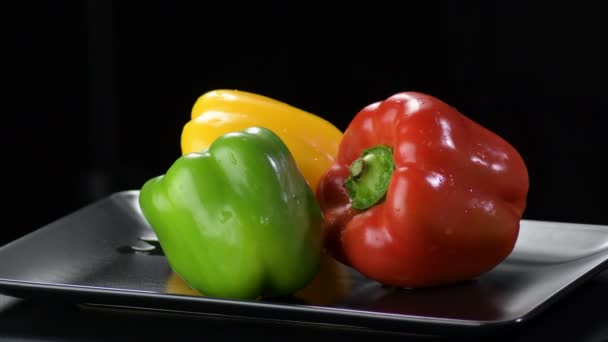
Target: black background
(96,92)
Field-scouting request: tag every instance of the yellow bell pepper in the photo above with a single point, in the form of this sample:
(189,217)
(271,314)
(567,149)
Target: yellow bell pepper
(312,140)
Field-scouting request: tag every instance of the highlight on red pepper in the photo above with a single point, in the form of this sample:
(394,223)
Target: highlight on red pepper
(420,195)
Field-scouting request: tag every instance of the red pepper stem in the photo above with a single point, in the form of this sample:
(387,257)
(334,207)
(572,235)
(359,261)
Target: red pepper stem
(370,177)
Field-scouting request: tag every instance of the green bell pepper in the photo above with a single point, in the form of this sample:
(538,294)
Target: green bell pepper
(237,220)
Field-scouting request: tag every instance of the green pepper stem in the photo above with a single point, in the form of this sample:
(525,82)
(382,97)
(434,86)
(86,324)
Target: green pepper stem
(370,177)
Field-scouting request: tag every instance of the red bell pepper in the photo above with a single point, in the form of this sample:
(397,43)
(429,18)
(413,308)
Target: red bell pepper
(420,195)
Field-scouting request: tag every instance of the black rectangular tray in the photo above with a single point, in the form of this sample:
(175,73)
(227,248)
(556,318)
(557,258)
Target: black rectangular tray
(87,257)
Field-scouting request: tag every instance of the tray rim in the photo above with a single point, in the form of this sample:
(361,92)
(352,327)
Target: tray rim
(185,304)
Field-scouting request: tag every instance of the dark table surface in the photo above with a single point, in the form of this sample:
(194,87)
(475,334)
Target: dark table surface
(579,316)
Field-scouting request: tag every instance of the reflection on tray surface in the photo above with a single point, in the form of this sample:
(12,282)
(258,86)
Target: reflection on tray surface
(339,286)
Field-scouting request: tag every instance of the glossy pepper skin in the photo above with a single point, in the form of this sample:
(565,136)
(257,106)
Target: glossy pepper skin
(312,140)
(421,195)
(237,220)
